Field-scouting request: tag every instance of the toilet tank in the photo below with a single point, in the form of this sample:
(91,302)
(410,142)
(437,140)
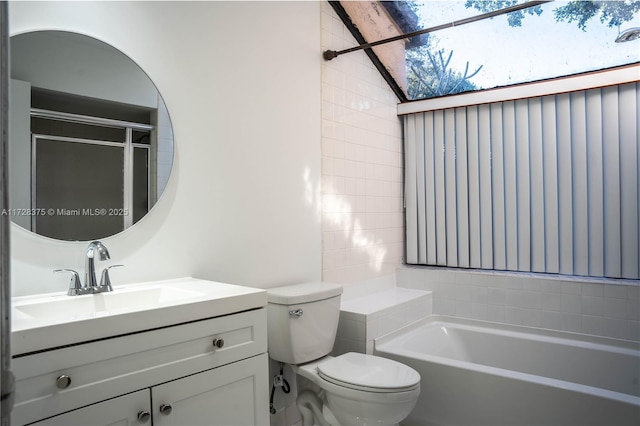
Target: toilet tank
(302,321)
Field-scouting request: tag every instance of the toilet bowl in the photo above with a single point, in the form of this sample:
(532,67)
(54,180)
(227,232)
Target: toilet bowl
(355,389)
(359,390)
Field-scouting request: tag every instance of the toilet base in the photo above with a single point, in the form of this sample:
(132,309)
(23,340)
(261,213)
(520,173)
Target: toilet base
(315,413)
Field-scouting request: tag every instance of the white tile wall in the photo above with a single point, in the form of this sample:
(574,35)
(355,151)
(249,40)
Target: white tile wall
(361,164)
(592,306)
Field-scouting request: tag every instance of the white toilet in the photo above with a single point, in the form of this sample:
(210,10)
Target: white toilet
(357,389)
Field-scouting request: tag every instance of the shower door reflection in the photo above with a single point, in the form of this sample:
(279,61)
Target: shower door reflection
(73,183)
(87,181)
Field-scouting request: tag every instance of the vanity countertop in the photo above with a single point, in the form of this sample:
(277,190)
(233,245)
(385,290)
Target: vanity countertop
(52,320)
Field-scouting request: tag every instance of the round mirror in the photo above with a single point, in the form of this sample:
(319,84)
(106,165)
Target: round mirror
(91,142)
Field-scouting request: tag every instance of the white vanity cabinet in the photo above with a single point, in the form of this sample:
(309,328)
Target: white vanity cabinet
(208,372)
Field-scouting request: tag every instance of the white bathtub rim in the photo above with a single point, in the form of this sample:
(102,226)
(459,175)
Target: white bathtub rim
(382,347)
(622,346)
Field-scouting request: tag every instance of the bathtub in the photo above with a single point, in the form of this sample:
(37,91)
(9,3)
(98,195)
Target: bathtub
(482,373)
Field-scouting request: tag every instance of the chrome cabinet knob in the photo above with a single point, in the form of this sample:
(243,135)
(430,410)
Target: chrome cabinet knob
(143,416)
(165,409)
(63,381)
(218,342)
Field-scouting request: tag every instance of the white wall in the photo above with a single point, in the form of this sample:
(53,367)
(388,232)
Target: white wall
(362,212)
(241,81)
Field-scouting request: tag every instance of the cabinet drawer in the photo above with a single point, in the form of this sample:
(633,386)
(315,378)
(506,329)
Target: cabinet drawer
(108,368)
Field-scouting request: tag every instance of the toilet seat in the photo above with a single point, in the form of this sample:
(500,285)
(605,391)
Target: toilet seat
(369,373)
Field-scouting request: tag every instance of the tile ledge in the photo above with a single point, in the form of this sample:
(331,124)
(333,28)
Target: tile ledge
(380,301)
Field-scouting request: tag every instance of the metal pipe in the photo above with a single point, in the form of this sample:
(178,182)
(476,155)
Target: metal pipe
(386,75)
(6,378)
(330,54)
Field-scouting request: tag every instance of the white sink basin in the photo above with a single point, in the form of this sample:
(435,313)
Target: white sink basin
(77,307)
(53,320)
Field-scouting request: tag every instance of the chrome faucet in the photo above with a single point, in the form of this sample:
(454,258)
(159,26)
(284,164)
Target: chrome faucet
(90,280)
(91,285)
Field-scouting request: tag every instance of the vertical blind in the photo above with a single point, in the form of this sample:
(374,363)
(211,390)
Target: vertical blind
(546,184)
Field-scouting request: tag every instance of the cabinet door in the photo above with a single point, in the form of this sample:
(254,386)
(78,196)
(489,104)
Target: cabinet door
(236,394)
(125,410)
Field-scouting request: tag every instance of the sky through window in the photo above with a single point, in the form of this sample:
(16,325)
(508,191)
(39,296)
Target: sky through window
(555,39)
(540,48)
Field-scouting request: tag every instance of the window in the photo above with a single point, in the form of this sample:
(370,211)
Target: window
(543,41)
(544,184)
(536,168)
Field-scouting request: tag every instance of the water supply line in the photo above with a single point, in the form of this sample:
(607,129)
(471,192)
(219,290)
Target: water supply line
(278,382)
(331,54)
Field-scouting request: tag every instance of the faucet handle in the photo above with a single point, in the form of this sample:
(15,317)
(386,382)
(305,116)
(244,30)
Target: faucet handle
(105,280)
(75,286)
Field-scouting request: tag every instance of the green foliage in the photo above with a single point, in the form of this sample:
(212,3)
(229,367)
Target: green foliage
(429,74)
(613,13)
(514,18)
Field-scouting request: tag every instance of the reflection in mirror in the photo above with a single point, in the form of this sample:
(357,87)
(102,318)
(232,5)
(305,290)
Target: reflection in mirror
(91,143)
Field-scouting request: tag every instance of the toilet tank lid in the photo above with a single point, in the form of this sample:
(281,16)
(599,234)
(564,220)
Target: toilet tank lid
(303,293)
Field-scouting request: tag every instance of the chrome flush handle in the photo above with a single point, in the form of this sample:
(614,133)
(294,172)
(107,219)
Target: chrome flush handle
(297,313)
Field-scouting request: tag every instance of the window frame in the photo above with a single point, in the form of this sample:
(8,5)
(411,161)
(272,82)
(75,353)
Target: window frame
(590,80)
